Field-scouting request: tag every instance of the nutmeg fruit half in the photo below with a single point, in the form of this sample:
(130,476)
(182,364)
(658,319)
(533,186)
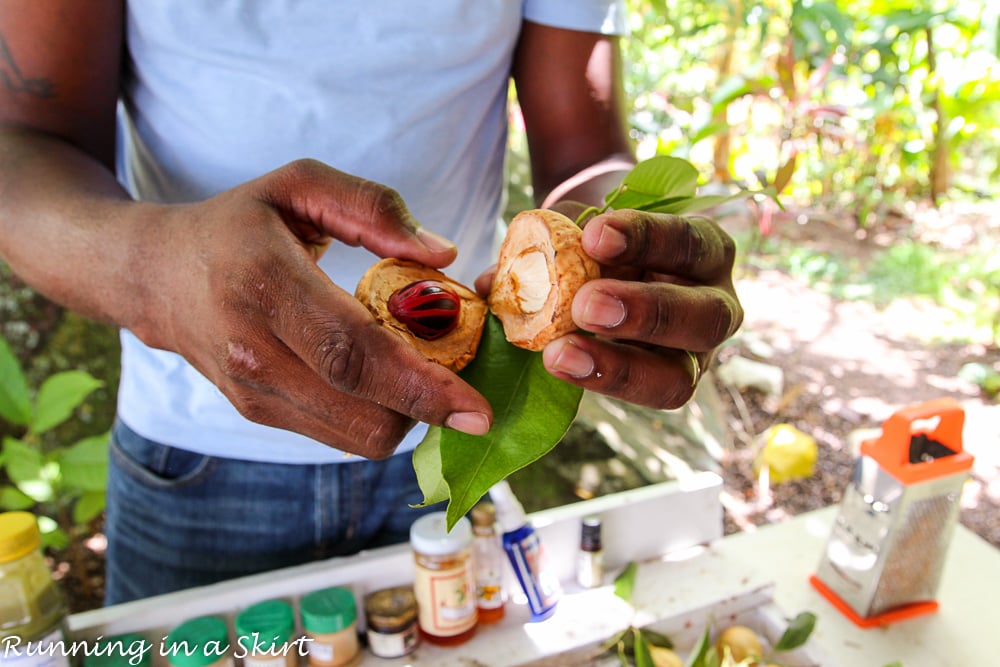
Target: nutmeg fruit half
(541,266)
(440,317)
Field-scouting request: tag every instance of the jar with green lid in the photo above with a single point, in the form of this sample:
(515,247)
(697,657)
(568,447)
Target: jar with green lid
(32,607)
(329,618)
(199,642)
(128,650)
(264,632)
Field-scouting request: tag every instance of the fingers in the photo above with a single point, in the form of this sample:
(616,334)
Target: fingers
(694,248)
(657,378)
(321,201)
(255,380)
(695,318)
(337,338)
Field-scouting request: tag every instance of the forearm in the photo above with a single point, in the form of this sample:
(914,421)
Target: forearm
(68,229)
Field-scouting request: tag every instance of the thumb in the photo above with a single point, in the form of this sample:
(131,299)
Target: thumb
(320,201)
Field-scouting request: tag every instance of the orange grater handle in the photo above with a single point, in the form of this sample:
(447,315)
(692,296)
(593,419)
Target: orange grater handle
(891,449)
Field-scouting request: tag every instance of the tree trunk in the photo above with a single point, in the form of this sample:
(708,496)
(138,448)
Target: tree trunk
(723,140)
(939,176)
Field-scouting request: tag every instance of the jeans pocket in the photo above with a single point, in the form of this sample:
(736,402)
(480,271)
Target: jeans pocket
(157,464)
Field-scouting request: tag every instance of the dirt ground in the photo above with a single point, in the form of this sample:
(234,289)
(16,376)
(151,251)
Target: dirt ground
(846,365)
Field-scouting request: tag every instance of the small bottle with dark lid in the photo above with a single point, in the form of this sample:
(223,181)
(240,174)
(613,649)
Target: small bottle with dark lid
(392,622)
(590,562)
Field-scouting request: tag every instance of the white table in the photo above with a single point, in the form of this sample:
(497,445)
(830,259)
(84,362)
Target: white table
(960,634)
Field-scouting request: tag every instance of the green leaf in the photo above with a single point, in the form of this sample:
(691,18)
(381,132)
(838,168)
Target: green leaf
(699,655)
(625,582)
(797,632)
(15,400)
(87,506)
(58,396)
(427,464)
(680,206)
(651,180)
(532,410)
(12,499)
(52,535)
(23,462)
(84,465)
(642,655)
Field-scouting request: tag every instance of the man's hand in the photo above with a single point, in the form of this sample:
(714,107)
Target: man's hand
(666,291)
(232,285)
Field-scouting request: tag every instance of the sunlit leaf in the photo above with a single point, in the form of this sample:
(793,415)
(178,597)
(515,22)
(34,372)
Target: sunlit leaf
(654,179)
(427,464)
(532,410)
(625,582)
(88,506)
(12,498)
(15,400)
(699,654)
(84,465)
(797,633)
(58,396)
(641,649)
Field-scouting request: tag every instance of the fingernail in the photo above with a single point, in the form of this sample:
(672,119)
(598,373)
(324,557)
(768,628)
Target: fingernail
(611,242)
(434,241)
(473,423)
(573,361)
(603,310)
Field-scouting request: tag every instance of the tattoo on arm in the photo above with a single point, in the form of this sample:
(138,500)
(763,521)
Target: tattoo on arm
(14,81)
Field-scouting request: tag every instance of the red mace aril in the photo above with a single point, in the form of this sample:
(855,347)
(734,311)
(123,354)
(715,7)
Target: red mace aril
(428,308)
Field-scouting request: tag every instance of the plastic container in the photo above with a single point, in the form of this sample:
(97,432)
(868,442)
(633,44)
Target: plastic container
(444,582)
(128,650)
(488,563)
(330,621)
(199,642)
(391,614)
(33,608)
(525,552)
(264,632)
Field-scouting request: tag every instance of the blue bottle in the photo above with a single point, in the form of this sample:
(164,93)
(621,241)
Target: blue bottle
(525,552)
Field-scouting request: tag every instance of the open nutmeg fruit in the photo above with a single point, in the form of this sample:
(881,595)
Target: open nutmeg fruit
(440,317)
(541,267)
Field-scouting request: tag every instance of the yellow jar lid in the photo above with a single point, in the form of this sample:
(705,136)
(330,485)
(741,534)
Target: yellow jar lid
(19,535)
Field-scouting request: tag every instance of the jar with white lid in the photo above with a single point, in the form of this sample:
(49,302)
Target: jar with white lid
(444,580)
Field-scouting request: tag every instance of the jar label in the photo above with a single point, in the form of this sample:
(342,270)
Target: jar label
(320,652)
(446,600)
(394,645)
(49,651)
(265,661)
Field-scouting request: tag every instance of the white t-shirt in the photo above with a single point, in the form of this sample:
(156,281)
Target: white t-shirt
(408,93)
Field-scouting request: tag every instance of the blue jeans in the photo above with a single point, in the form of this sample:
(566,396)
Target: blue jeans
(176,519)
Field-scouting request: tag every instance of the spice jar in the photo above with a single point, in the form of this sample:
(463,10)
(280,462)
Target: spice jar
(391,614)
(32,607)
(263,631)
(199,642)
(329,618)
(128,650)
(444,582)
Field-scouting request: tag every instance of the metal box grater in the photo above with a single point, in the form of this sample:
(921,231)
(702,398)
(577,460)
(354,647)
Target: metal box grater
(886,550)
